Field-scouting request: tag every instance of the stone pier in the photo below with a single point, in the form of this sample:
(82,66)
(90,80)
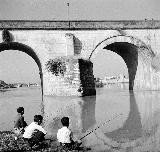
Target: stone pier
(70,77)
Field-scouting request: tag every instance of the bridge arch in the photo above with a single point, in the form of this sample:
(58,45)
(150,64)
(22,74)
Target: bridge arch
(135,53)
(26,49)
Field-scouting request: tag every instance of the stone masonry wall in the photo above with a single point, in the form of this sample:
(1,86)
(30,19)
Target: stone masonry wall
(72,83)
(63,85)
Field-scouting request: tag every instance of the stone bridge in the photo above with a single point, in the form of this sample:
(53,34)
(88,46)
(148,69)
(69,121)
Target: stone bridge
(63,51)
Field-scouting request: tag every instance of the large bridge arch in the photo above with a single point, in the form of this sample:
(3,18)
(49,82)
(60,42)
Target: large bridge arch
(26,49)
(135,53)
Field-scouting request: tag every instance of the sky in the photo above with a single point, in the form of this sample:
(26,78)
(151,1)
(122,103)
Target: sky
(10,68)
(79,9)
(16,66)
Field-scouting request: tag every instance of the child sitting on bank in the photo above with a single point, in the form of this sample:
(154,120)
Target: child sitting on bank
(19,123)
(34,133)
(65,136)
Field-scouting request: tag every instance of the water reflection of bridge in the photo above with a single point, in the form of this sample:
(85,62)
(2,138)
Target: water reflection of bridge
(82,114)
(139,122)
(132,128)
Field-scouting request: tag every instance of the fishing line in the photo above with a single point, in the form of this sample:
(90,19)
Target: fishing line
(100,126)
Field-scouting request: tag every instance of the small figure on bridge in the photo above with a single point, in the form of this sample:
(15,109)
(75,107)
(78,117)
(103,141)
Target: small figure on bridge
(19,122)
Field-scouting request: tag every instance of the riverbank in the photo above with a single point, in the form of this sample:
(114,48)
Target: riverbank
(9,144)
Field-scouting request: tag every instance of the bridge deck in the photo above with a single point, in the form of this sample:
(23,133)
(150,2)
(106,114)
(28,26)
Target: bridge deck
(79,25)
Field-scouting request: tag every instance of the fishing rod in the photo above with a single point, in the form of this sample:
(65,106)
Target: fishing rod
(92,130)
(99,126)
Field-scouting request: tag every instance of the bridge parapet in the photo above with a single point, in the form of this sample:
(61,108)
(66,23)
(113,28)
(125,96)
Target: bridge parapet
(79,24)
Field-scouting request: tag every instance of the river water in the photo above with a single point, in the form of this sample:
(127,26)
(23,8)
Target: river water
(123,120)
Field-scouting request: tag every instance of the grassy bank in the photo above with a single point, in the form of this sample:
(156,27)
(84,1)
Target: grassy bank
(9,144)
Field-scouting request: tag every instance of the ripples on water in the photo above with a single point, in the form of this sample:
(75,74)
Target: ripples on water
(137,129)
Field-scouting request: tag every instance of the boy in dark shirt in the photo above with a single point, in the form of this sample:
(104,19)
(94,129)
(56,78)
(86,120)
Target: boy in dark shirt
(19,123)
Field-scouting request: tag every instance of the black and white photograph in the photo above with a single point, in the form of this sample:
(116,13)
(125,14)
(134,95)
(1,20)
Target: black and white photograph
(79,75)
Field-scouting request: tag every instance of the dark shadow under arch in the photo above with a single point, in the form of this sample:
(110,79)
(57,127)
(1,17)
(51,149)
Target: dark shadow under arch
(26,49)
(129,53)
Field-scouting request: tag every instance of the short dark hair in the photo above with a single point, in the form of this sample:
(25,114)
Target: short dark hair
(20,109)
(38,118)
(65,121)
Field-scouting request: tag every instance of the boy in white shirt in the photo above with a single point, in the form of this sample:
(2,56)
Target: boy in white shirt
(34,133)
(65,136)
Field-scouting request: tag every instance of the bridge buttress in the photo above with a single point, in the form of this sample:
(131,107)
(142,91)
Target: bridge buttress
(70,77)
